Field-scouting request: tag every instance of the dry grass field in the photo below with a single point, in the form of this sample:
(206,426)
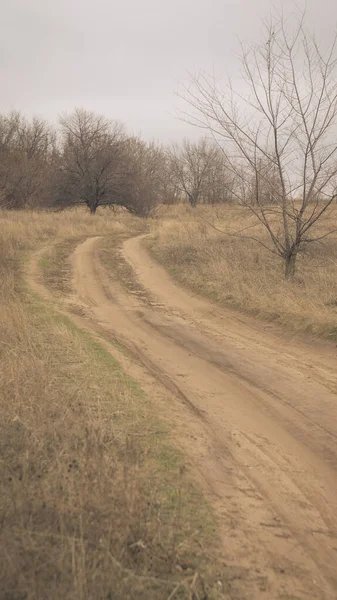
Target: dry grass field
(240,273)
(94,500)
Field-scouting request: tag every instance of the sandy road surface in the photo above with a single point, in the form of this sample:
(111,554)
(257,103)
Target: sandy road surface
(255,413)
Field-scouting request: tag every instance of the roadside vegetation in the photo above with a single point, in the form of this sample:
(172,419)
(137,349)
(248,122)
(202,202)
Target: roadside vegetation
(95,501)
(199,249)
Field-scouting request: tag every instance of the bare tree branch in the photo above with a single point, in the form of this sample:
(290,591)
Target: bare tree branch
(280,135)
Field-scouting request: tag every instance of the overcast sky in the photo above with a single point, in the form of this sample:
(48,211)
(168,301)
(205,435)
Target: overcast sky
(125,58)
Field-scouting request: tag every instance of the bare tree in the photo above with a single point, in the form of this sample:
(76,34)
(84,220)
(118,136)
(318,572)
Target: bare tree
(199,171)
(266,186)
(219,180)
(190,166)
(26,156)
(286,119)
(92,168)
(147,177)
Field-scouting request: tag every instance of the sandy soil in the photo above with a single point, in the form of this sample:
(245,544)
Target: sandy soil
(254,411)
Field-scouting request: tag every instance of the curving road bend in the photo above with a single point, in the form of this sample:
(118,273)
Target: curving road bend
(258,412)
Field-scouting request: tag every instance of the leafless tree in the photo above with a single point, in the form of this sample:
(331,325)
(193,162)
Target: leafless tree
(266,186)
(199,172)
(26,156)
(190,167)
(286,119)
(219,180)
(92,169)
(147,177)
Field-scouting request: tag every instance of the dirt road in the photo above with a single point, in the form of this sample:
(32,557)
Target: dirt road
(254,411)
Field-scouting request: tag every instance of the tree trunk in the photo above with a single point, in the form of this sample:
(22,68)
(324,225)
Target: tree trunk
(93,207)
(290,266)
(192,200)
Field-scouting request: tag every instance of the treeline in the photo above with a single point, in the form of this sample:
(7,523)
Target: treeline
(271,148)
(90,160)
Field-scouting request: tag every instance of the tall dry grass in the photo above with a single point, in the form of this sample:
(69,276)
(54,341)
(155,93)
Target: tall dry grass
(93,504)
(241,273)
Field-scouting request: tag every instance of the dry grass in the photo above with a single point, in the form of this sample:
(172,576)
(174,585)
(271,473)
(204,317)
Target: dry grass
(118,269)
(241,273)
(94,503)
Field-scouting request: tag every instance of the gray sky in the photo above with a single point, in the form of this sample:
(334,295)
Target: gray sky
(125,58)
